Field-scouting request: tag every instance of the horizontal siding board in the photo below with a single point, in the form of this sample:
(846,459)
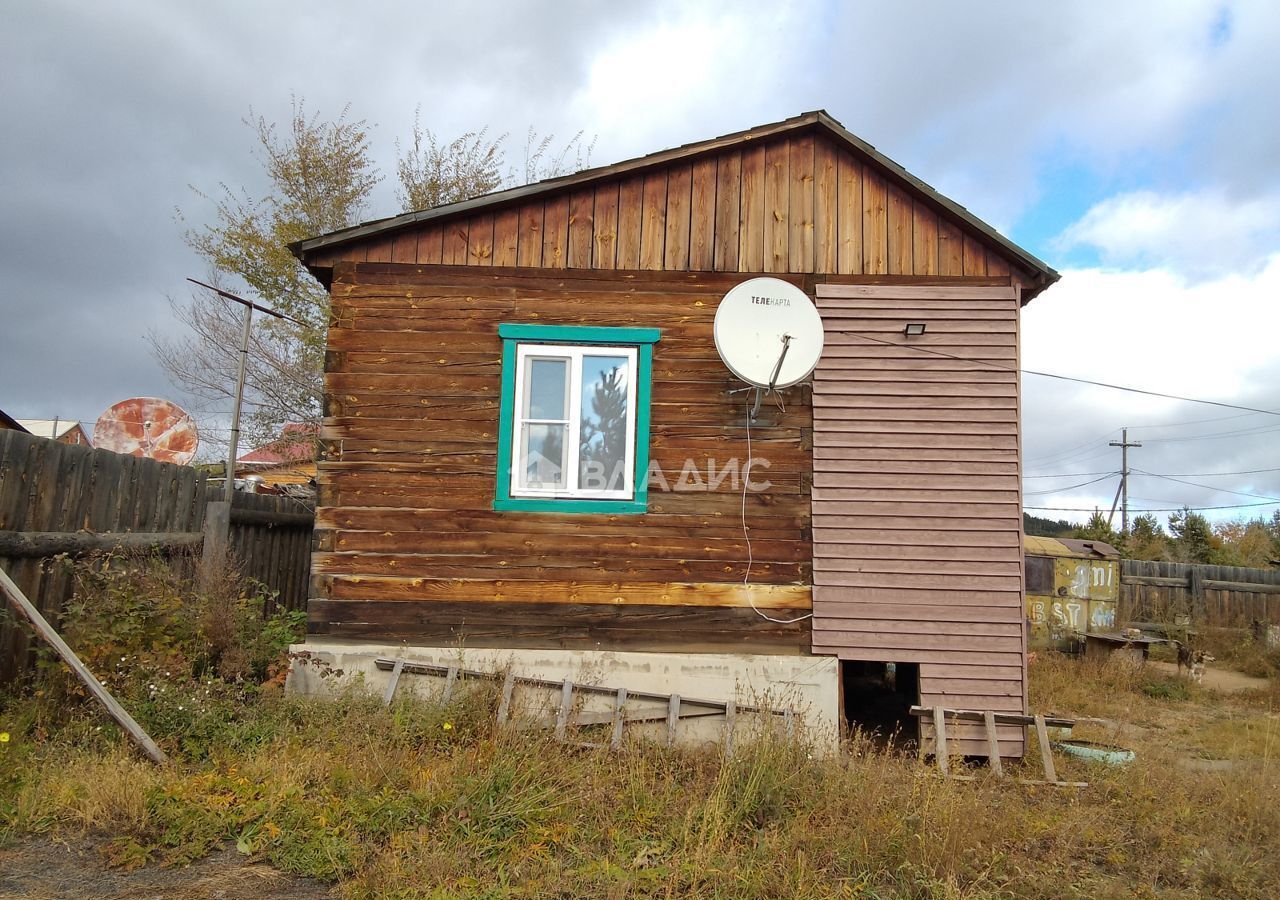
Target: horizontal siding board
(917,546)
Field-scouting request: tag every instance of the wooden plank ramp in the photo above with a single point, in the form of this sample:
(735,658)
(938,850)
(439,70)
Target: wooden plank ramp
(938,716)
(668,709)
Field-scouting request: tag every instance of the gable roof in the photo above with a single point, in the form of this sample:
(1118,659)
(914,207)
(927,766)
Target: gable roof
(819,120)
(50,428)
(297,443)
(9,421)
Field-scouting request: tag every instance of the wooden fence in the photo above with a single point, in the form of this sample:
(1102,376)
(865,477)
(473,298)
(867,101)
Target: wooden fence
(59,498)
(1214,596)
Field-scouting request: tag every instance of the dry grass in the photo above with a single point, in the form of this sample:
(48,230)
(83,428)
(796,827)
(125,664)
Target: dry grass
(392,804)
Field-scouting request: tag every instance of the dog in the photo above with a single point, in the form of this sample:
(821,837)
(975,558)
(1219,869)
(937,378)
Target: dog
(1193,661)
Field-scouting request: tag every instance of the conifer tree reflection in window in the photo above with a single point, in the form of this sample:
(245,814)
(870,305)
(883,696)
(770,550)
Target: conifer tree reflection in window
(603,430)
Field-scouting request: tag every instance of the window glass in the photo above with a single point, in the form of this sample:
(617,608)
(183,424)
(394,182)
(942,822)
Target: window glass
(1039,575)
(542,453)
(604,417)
(545,392)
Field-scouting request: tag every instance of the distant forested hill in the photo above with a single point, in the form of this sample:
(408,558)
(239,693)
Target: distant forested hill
(1034,525)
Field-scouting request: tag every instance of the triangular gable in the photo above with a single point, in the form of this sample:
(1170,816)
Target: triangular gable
(799,196)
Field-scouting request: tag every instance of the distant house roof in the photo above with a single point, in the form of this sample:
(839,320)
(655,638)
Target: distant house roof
(1043,275)
(1069,547)
(50,428)
(295,444)
(7,421)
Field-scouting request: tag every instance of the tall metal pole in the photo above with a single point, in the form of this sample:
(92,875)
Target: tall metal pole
(1124,444)
(235,410)
(249,307)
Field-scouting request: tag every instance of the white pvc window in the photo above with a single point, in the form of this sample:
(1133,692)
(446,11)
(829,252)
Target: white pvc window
(575,422)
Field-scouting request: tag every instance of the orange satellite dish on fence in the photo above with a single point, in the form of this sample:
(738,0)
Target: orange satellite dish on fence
(150,427)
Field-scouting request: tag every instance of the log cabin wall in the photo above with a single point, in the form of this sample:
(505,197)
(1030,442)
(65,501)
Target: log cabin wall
(917,529)
(409,545)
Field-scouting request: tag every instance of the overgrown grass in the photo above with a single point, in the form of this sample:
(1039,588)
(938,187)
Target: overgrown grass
(429,800)
(426,801)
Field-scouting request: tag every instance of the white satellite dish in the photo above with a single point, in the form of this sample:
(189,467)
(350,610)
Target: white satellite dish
(150,427)
(768,333)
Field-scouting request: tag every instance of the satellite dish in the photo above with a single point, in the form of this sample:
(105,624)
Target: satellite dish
(150,427)
(768,333)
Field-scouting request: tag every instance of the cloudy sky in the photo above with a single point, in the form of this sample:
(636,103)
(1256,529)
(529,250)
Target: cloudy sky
(1135,146)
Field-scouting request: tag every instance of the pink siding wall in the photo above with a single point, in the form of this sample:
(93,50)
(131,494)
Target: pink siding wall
(917,520)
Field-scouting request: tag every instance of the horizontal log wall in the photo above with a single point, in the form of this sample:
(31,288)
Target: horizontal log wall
(917,523)
(1213,596)
(409,544)
(792,204)
(48,488)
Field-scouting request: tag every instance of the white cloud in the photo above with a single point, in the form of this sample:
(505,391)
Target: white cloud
(1154,329)
(1197,234)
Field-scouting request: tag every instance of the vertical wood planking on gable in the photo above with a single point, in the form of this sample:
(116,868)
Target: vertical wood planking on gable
(800,205)
(777,232)
(875,246)
(506,235)
(430,245)
(950,248)
(653,221)
(727,223)
(825,214)
(975,257)
(849,215)
(630,219)
(404,246)
(900,231)
(555,232)
(378,250)
(702,216)
(751,212)
(924,241)
(529,242)
(455,243)
(604,251)
(581,228)
(480,240)
(996,264)
(679,193)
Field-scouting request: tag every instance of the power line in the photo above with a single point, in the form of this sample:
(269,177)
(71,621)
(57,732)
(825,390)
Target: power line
(1196,421)
(1115,387)
(1047,456)
(1071,487)
(1169,509)
(1193,474)
(1207,487)
(1077,475)
(1261,429)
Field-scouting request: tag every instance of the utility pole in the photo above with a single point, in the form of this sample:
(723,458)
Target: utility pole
(1124,444)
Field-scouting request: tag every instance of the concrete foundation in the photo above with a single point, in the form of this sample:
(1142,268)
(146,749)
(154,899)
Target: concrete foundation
(808,685)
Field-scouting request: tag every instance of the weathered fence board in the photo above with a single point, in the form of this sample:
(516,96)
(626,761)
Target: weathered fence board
(88,496)
(1213,596)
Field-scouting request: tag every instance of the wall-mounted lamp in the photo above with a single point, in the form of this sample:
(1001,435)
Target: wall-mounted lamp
(913,328)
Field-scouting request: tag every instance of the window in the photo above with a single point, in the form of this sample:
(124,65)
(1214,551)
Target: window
(574,430)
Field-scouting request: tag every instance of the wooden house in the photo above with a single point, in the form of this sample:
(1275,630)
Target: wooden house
(9,423)
(288,460)
(883,515)
(64,431)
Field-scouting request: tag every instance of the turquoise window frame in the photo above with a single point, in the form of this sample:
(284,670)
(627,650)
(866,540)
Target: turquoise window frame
(512,336)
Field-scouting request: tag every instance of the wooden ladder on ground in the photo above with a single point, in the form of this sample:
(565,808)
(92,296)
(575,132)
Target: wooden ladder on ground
(938,716)
(673,707)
